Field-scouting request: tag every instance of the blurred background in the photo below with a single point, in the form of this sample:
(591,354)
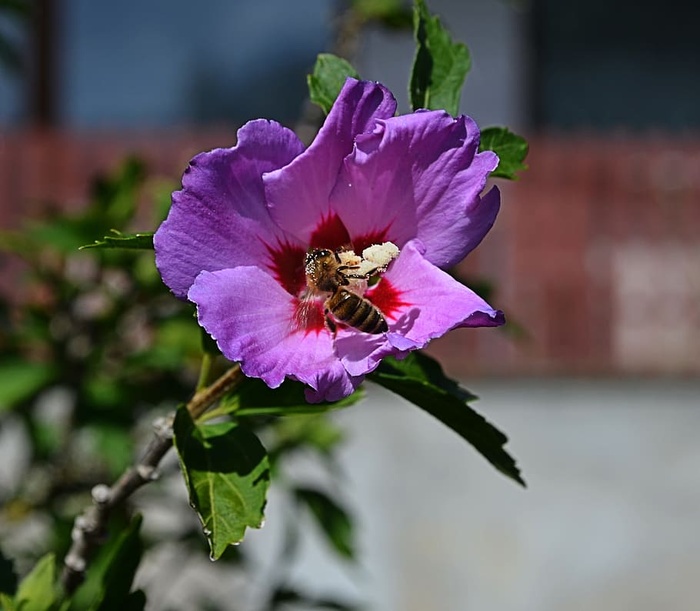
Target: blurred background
(595,259)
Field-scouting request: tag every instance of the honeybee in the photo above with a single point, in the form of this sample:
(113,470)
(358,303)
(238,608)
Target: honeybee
(327,272)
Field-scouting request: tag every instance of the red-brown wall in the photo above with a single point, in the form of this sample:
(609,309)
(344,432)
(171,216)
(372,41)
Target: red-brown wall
(595,255)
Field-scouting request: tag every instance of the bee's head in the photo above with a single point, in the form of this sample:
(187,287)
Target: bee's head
(316,254)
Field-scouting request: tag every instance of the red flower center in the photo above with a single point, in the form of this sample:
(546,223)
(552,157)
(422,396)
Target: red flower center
(387,298)
(330,233)
(287,266)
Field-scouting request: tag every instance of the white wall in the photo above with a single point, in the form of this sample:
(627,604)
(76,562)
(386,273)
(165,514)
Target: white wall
(608,522)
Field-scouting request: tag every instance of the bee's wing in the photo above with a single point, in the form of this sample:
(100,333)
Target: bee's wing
(309,311)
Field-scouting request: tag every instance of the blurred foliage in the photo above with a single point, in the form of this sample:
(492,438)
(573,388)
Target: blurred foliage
(19,12)
(392,14)
(94,349)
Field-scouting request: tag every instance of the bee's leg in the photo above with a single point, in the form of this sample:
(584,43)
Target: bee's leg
(372,272)
(343,271)
(342,279)
(365,276)
(342,268)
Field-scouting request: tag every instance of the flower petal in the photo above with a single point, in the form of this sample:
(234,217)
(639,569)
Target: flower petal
(219,219)
(250,316)
(360,352)
(428,303)
(419,175)
(432,301)
(298,194)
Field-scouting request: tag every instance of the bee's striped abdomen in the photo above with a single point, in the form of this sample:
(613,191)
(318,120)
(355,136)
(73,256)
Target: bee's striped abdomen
(356,312)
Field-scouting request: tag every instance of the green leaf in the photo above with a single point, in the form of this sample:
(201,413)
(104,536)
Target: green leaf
(283,595)
(136,241)
(420,380)
(111,574)
(120,569)
(328,78)
(8,577)
(227,474)
(255,398)
(37,592)
(334,521)
(390,13)
(20,380)
(439,66)
(114,196)
(510,148)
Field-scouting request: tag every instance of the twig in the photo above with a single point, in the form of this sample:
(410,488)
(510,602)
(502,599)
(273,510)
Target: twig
(90,527)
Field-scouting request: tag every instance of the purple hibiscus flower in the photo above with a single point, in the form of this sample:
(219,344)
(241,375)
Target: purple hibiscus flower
(237,236)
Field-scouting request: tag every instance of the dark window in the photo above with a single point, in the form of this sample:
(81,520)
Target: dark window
(609,63)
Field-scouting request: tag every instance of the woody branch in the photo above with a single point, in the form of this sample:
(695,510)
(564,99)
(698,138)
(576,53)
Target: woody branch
(90,527)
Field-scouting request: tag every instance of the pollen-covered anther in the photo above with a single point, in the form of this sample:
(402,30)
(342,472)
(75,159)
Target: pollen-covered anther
(381,254)
(375,259)
(349,258)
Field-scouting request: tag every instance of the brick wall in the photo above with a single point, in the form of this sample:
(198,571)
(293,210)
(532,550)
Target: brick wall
(595,255)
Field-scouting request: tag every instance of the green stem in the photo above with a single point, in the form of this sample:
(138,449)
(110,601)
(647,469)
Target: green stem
(206,397)
(205,371)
